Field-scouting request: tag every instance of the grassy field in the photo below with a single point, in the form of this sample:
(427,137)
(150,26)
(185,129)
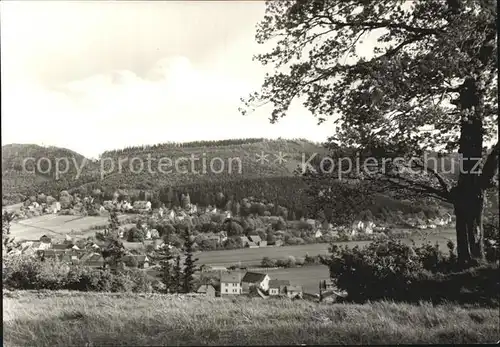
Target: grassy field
(99,319)
(252,256)
(57,226)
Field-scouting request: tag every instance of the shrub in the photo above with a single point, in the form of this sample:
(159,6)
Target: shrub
(396,271)
(23,272)
(268,262)
(291,261)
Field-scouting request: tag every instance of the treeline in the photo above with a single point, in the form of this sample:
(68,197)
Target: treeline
(173,145)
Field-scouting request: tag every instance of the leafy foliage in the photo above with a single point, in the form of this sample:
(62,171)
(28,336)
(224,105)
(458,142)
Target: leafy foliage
(397,271)
(422,86)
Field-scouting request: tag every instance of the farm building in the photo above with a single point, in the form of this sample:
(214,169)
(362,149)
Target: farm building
(92,260)
(244,241)
(277,287)
(255,239)
(142,261)
(207,290)
(230,284)
(255,279)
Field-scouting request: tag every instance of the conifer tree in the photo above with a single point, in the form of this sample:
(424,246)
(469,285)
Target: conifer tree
(189,263)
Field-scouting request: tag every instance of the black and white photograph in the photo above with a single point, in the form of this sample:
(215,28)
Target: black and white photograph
(281,172)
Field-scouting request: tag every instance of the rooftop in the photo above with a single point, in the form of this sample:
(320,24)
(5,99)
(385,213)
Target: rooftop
(253,277)
(278,283)
(230,278)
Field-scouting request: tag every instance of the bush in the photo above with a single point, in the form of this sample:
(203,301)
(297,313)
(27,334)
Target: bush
(135,235)
(22,272)
(268,262)
(396,271)
(491,238)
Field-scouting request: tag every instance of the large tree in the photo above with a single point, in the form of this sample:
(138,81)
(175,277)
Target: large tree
(400,78)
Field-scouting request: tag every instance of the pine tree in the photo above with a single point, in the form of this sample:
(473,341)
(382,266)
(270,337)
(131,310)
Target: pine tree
(189,263)
(164,257)
(177,275)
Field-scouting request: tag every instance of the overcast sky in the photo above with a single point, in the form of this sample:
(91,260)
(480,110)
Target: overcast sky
(92,76)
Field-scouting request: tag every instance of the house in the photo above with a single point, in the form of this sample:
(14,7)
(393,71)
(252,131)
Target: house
(244,241)
(228,215)
(255,239)
(263,244)
(61,246)
(54,254)
(147,235)
(293,292)
(55,207)
(318,234)
(255,279)
(230,284)
(206,289)
(253,245)
(143,261)
(92,260)
(368,227)
(277,287)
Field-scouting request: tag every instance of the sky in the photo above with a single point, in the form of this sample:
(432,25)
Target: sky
(94,76)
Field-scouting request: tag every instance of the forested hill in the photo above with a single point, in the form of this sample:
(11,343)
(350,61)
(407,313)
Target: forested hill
(217,161)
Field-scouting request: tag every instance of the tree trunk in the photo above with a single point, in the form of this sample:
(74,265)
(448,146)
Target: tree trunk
(469,195)
(469,225)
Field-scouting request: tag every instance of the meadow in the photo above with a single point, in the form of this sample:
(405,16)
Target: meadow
(62,318)
(57,226)
(253,256)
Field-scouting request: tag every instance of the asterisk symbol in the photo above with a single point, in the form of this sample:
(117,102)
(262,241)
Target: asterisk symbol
(261,158)
(280,158)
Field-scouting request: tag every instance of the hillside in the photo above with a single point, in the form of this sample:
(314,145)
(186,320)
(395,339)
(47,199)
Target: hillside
(22,176)
(96,319)
(241,155)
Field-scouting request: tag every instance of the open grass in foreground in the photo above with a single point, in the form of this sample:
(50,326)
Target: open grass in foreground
(74,318)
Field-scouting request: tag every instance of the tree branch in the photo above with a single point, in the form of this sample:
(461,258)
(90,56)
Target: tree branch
(439,177)
(383,24)
(490,168)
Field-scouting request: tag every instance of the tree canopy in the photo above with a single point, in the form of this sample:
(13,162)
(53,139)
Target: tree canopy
(399,78)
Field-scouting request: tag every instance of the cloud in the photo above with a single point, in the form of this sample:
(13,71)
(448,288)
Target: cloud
(157,83)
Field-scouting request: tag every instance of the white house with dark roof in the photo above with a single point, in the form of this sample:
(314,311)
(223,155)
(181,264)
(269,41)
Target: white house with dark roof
(255,279)
(230,284)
